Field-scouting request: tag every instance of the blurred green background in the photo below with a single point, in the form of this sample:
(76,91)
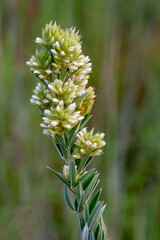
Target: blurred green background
(122,39)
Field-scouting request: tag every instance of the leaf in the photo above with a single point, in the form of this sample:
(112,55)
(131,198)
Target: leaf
(72,134)
(104,228)
(98,215)
(58,149)
(85,233)
(81,203)
(72,172)
(59,175)
(84,176)
(100,234)
(60,140)
(89,161)
(85,120)
(81,98)
(94,200)
(94,214)
(81,221)
(79,190)
(97,231)
(66,195)
(64,153)
(86,212)
(91,186)
(87,182)
(91,236)
(83,162)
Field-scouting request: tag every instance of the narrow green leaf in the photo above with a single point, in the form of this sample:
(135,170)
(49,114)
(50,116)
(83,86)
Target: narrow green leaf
(72,134)
(83,162)
(97,231)
(94,213)
(84,176)
(104,228)
(81,203)
(72,172)
(58,149)
(89,161)
(100,234)
(61,141)
(81,221)
(64,153)
(86,212)
(97,216)
(91,187)
(91,236)
(85,233)
(94,200)
(76,204)
(85,120)
(81,98)
(79,190)
(59,175)
(87,182)
(66,195)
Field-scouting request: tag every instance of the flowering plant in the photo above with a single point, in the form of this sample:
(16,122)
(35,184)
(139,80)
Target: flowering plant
(65,103)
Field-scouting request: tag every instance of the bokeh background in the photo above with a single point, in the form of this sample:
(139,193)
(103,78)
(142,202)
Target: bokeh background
(122,39)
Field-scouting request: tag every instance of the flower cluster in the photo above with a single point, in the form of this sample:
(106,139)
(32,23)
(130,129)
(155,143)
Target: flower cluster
(87,142)
(62,93)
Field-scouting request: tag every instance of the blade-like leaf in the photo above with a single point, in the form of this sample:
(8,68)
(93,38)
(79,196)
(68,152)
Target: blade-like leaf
(97,231)
(85,120)
(94,200)
(81,221)
(83,162)
(59,175)
(91,186)
(81,203)
(72,134)
(85,233)
(94,214)
(60,140)
(81,98)
(79,190)
(66,195)
(87,182)
(58,149)
(91,236)
(97,216)
(86,212)
(104,228)
(72,172)
(100,234)
(84,176)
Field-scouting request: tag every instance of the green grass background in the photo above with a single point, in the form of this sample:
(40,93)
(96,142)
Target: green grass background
(122,39)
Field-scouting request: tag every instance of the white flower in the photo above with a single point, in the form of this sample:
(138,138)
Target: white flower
(34,64)
(43,125)
(46,132)
(73,68)
(54,51)
(88,143)
(47,112)
(54,123)
(36,72)
(41,76)
(67,126)
(71,49)
(63,53)
(56,44)
(55,100)
(38,40)
(48,71)
(71,106)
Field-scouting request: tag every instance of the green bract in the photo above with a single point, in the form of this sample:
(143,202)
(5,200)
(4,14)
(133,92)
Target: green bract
(65,102)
